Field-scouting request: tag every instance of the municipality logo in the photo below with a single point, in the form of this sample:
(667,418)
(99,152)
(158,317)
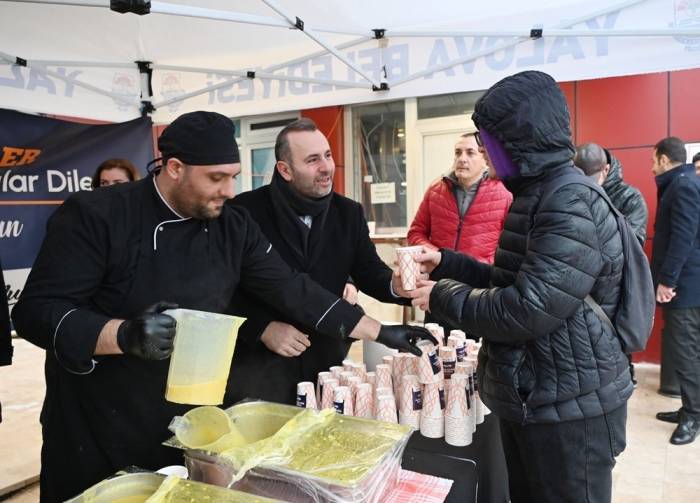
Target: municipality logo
(686,14)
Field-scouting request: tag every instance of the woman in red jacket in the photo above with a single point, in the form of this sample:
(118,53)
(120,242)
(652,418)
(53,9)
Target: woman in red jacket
(464,210)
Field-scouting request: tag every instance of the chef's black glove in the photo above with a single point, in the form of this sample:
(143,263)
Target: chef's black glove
(150,335)
(404,337)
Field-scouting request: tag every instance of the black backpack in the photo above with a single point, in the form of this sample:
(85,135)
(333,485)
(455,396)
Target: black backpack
(634,317)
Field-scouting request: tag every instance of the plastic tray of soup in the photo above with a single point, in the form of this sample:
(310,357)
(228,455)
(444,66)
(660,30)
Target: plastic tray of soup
(303,455)
(146,487)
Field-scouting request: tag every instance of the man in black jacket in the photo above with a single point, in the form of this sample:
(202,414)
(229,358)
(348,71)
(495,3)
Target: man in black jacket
(317,232)
(549,368)
(606,170)
(6,348)
(675,267)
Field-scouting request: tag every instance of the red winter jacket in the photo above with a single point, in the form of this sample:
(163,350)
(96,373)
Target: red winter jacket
(437,223)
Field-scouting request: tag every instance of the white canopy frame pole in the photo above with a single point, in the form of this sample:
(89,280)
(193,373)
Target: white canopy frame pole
(73,81)
(511,43)
(309,32)
(661,32)
(270,69)
(83,64)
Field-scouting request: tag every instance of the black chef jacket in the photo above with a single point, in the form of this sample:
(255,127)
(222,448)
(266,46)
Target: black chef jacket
(110,254)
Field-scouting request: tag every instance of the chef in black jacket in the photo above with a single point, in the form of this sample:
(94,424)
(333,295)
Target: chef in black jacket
(316,231)
(111,262)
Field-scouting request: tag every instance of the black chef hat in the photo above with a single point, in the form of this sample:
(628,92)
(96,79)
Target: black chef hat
(200,139)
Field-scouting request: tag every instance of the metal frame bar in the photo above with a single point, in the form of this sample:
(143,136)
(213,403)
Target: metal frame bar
(309,32)
(77,83)
(511,43)
(663,32)
(272,68)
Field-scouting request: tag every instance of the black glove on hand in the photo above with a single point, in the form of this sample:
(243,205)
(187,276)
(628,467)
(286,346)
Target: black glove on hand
(150,335)
(404,337)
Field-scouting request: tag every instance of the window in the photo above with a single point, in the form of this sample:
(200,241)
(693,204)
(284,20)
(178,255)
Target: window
(379,133)
(447,104)
(263,164)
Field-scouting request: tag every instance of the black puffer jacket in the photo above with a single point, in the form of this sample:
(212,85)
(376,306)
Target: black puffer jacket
(546,356)
(627,199)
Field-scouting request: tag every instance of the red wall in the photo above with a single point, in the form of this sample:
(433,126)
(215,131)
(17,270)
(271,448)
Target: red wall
(628,115)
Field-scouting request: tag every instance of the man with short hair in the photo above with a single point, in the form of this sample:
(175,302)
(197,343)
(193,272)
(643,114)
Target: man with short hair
(675,267)
(111,262)
(696,163)
(316,231)
(606,170)
(464,210)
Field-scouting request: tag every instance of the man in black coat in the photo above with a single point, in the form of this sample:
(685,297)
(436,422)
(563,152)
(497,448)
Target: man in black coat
(5,329)
(675,267)
(606,170)
(321,233)
(549,368)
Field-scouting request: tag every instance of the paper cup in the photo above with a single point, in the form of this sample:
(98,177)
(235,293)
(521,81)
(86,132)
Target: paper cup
(329,386)
(363,401)
(460,346)
(384,379)
(342,400)
(437,331)
(459,333)
(344,376)
(360,370)
(336,371)
(458,427)
(386,409)
(347,364)
(448,357)
(388,360)
(306,395)
(432,419)
(411,401)
(372,379)
(408,268)
(429,369)
(322,376)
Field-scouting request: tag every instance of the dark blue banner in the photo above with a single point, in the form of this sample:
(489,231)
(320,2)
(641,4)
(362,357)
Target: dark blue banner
(42,162)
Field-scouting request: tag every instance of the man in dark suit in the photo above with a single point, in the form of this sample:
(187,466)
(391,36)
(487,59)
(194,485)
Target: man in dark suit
(675,267)
(319,232)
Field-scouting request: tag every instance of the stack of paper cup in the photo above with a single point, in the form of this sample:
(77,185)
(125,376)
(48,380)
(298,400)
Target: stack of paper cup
(381,391)
(465,368)
(322,376)
(353,383)
(432,420)
(386,408)
(372,379)
(306,395)
(437,331)
(410,364)
(409,269)
(384,379)
(363,400)
(459,333)
(329,386)
(429,369)
(411,401)
(342,400)
(459,344)
(388,360)
(336,370)
(344,376)
(448,357)
(360,370)
(347,364)
(458,430)
(397,371)
(472,348)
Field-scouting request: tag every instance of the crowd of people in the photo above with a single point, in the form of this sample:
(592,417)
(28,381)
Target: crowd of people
(503,259)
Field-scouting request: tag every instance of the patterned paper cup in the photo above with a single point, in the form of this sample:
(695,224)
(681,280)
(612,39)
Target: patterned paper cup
(336,370)
(306,395)
(432,419)
(448,357)
(322,376)
(408,268)
(386,408)
(460,346)
(437,331)
(342,400)
(360,370)
(329,386)
(363,400)
(347,364)
(388,360)
(429,369)
(344,376)
(384,379)
(459,333)
(458,419)
(411,401)
(372,379)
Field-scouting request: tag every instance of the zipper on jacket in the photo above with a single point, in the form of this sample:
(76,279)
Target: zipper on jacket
(459,230)
(524,406)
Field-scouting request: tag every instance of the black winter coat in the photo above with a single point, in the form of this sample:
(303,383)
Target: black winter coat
(627,199)
(546,356)
(675,256)
(345,250)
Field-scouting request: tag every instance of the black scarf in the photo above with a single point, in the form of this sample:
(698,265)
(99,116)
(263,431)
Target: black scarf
(288,205)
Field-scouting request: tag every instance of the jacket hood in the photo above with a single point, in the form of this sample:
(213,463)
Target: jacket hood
(528,114)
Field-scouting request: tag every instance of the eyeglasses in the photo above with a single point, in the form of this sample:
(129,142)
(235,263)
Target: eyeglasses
(477,137)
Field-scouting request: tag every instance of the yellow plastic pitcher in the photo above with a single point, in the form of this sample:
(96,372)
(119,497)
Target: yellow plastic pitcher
(201,358)
(209,429)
